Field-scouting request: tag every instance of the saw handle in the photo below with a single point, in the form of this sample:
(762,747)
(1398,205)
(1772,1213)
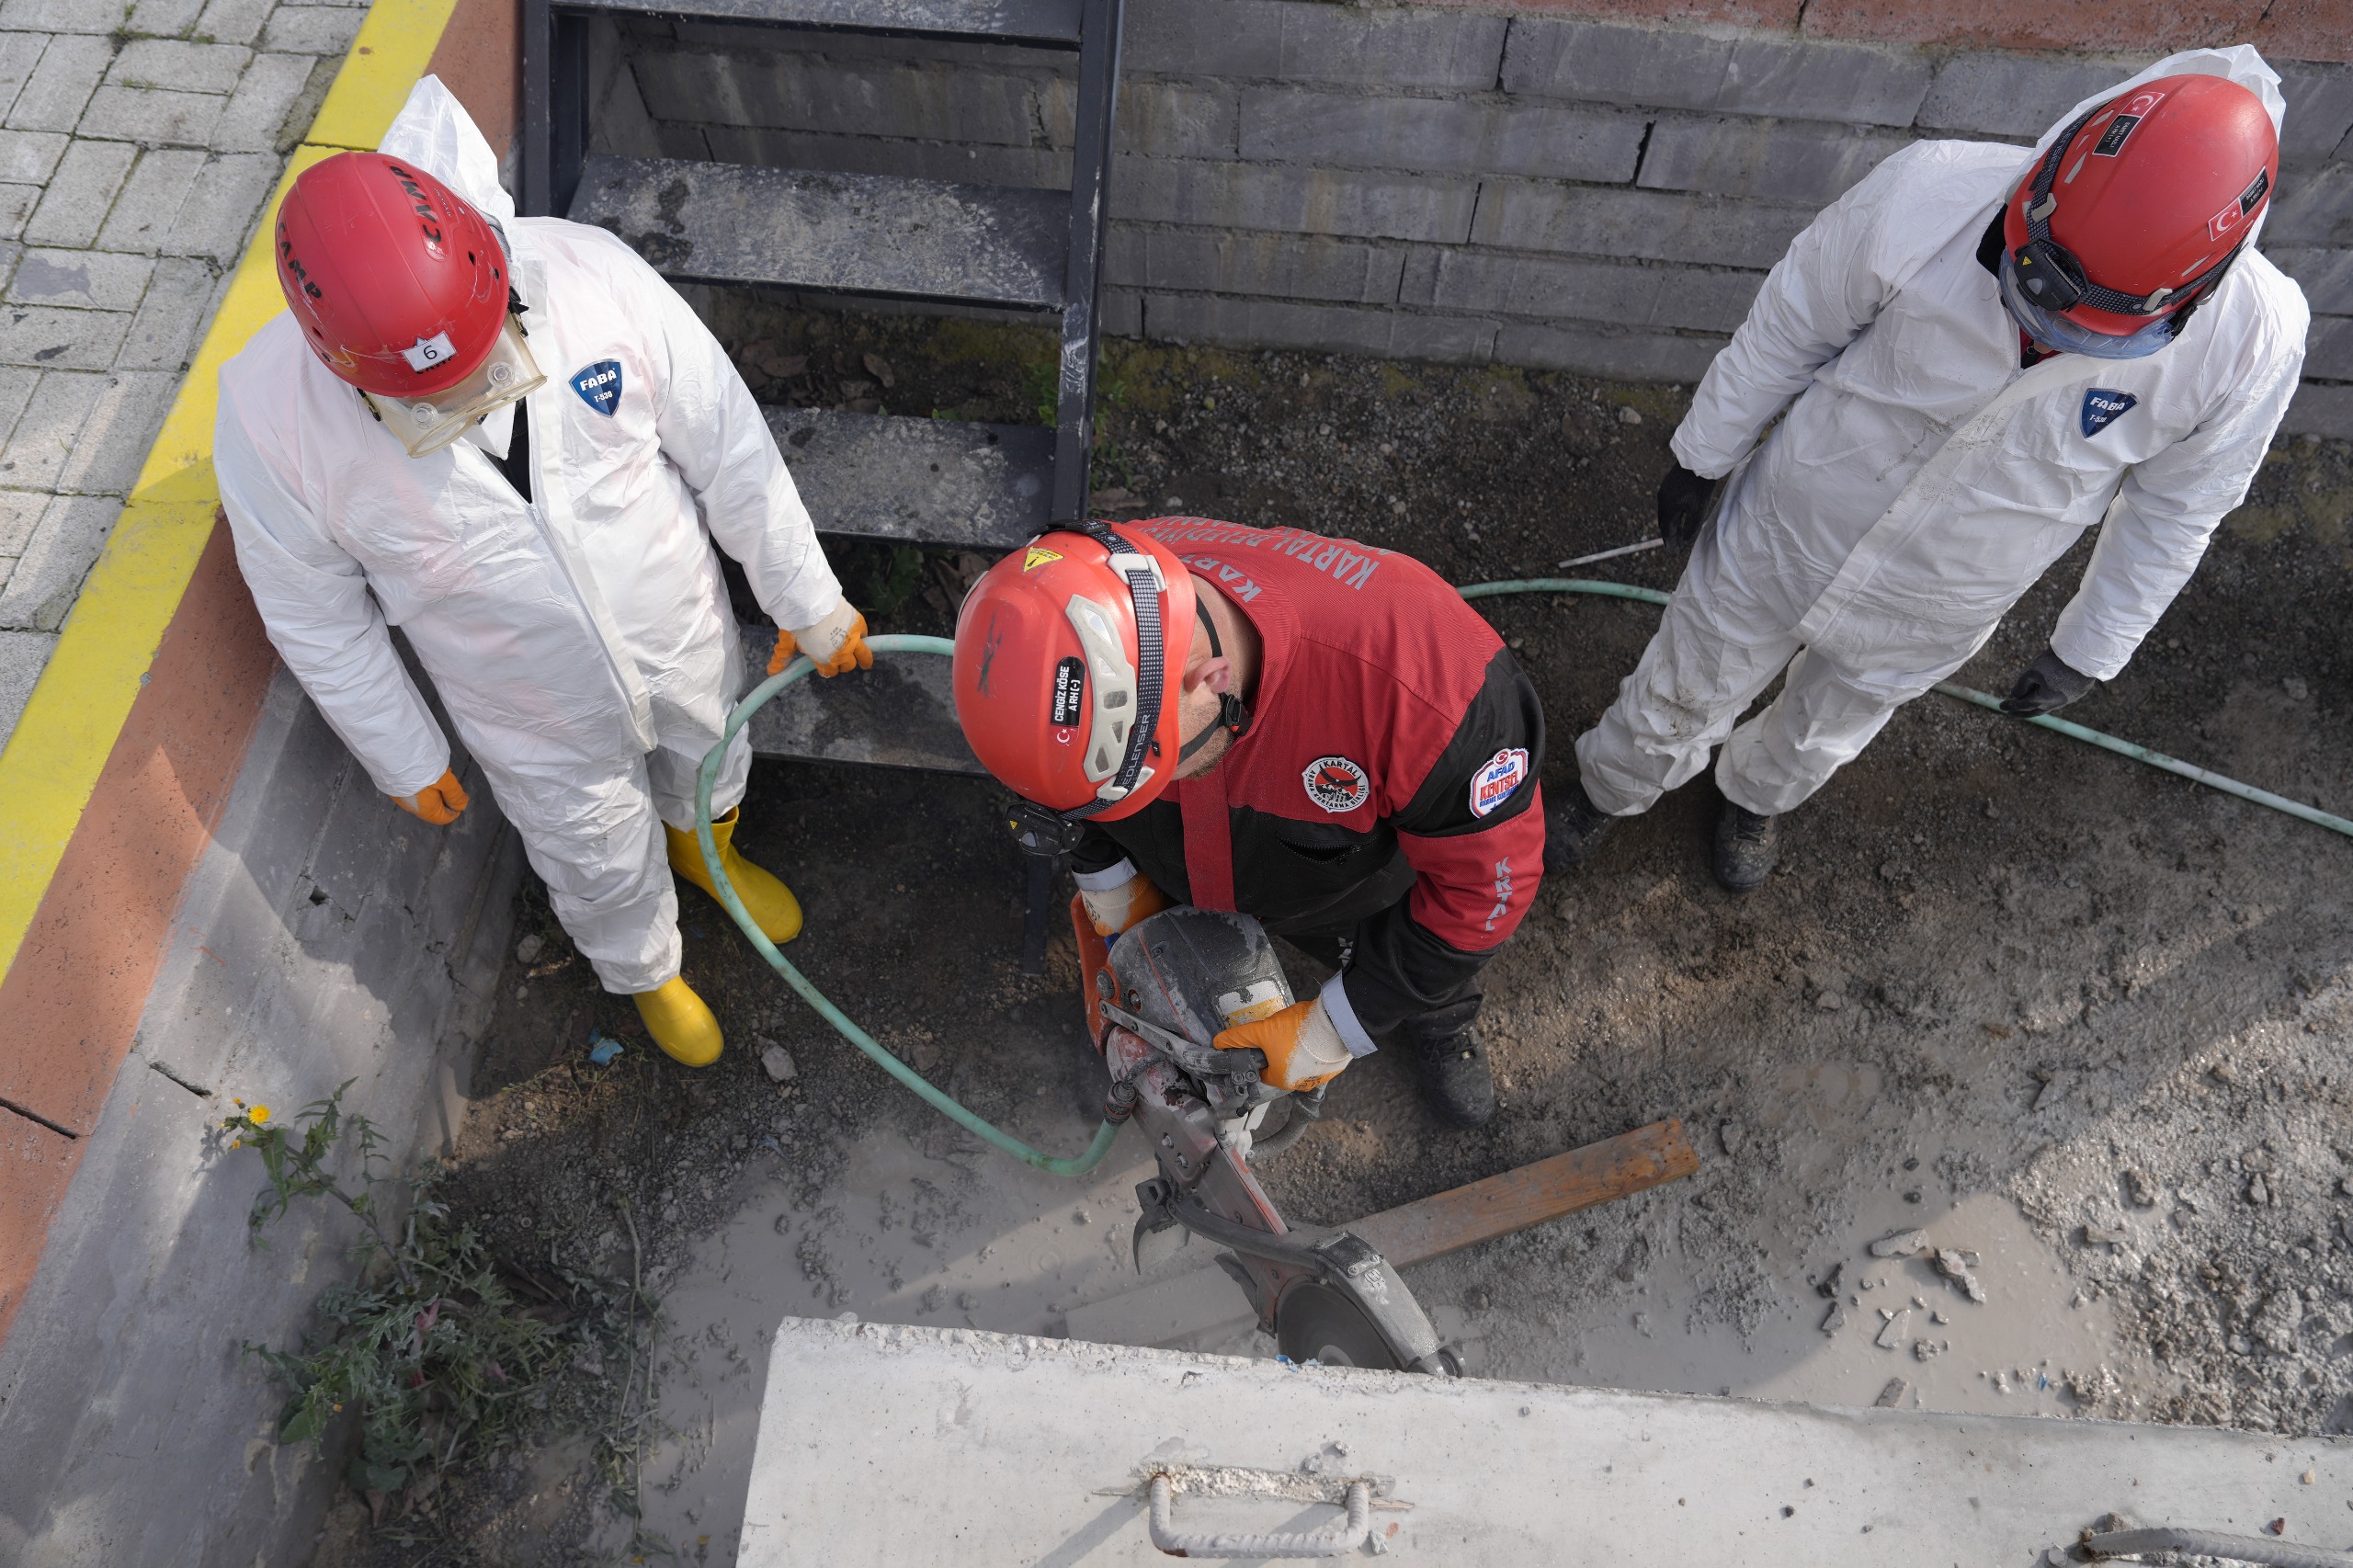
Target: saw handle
(1094,961)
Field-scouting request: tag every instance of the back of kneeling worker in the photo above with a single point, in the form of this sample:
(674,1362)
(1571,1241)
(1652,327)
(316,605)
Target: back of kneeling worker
(1308,730)
(510,438)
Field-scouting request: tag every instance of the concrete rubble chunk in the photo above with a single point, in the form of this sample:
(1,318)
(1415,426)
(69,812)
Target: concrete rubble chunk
(1891,1328)
(1955,1264)
(1902,1244)
(1835,1319)
(777,1063)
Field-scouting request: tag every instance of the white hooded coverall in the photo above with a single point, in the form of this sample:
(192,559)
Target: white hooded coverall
(581,643)
(1921,481)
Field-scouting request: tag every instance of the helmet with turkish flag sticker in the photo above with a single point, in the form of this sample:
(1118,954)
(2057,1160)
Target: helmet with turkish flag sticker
(2135,213)
(402,290)
(1070,656)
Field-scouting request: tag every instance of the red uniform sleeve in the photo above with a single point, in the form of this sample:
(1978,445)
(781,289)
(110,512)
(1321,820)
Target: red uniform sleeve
(1474,833)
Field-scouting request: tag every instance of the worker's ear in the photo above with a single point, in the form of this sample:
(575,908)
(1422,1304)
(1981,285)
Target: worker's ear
(1216,674)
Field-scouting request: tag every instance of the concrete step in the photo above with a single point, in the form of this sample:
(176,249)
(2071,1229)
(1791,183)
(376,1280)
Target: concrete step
(870,235)
(900,714)
(1049,22)
(944,482)
(887,1444)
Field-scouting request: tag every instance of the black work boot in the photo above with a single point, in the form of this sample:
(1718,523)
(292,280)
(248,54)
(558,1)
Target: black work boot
(1453,1063)
(1745,847)
(1574,829)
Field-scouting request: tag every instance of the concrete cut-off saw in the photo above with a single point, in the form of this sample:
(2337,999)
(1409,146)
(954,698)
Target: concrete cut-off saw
(1156,999)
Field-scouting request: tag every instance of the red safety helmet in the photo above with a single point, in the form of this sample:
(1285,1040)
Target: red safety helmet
(1070,656)
(400,286)
(2135,212)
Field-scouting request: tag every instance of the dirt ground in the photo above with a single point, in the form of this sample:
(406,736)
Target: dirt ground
(2089,1022)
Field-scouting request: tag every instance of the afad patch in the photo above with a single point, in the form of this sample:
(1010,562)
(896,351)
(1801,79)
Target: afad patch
(1039,556)
(1337,784)
(599,385)
(2104,406)
(1496,779)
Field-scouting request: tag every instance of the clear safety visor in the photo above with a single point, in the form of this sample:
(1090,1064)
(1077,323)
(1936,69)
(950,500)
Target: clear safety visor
(427,425)
(2053,330)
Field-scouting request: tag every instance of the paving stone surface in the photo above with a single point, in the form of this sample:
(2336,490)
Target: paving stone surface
(138,141)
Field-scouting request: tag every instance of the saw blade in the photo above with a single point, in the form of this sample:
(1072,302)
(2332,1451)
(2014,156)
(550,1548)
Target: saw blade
(1314,1321)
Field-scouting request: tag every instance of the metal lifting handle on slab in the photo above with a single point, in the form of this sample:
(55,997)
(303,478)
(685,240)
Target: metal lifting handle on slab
(1343,1538)
(2212,1543)
(2156,760)
(1078,1164)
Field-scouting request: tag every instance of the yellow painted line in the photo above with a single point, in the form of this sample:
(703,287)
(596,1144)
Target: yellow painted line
(52,759)
(393,47)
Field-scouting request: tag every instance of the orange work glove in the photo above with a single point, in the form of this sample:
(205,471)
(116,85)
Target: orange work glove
(835,644)
(438,802)
(1304,1047)
(1115,909)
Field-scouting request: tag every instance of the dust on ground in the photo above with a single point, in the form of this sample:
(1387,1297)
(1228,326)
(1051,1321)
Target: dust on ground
(2088,1023)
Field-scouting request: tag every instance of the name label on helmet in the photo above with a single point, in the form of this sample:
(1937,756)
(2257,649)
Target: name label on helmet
(1069,698)
(1337,784)
(2104,406)
(2112,140)
(599,386)
(428,352)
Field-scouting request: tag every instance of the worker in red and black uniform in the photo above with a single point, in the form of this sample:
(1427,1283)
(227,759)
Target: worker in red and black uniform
(1308,730)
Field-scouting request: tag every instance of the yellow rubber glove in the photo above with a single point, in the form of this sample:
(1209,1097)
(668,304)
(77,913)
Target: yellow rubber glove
(835,645)
(438,802)
(1304,1047)
(1113,910)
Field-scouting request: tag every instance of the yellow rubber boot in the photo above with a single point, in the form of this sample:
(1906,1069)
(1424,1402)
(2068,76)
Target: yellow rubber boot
(771,905)
(680,1022)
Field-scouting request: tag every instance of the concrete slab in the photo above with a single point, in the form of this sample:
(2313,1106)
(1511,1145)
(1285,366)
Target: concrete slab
(892,1445)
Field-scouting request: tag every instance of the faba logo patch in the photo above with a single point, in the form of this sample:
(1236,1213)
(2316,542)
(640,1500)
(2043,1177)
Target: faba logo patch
(599,386)
(1337,784)
(1496,779)
(2103,408)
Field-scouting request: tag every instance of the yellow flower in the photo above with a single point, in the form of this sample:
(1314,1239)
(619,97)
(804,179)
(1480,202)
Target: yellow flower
(258,1114)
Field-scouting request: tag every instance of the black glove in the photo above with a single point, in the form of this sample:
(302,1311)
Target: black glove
(1683,498)
(2048,684)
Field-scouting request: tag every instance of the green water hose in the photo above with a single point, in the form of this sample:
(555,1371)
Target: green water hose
(1080,1164)
(1953,688)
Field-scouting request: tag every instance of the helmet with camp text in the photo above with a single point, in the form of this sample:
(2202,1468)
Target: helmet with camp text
(2134,213)
(1070,657)
(401,289)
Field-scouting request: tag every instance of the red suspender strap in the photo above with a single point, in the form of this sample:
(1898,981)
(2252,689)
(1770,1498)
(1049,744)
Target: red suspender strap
(1209,841)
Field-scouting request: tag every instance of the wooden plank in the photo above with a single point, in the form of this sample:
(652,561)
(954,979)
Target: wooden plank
(1615,1167)
(1190,1308)
(915,239)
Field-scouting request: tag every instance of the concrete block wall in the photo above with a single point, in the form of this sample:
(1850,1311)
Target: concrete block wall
(322,938)
(1562,191)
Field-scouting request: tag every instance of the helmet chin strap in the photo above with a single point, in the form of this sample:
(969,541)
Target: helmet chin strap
(1232,716)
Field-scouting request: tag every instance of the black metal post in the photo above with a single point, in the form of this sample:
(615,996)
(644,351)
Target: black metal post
(534,200)
(1097,121)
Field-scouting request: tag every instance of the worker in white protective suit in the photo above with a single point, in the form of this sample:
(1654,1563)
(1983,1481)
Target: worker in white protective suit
(1974,355)
(512,439)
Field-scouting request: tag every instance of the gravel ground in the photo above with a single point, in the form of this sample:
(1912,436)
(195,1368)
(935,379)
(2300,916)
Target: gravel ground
(2090,1023)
